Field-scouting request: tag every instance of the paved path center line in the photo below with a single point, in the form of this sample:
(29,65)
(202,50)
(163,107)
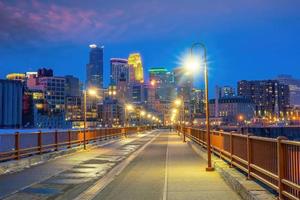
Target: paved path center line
(165,193)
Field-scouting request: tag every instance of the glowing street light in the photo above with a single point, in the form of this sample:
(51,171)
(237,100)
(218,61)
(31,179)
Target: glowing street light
(143,113)
(193,65)
(91,92)
(128,108)
(178,102)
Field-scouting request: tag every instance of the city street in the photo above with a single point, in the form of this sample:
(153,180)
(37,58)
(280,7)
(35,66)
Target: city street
(161,167)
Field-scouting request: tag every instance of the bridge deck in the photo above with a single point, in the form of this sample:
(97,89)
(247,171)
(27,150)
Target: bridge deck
(167,169)
(164,169)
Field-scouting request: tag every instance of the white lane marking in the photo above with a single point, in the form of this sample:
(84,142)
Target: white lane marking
(95,189)
(165,193)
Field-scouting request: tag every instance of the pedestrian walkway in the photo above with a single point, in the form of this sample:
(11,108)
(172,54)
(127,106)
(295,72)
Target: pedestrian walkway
(187,178)
(55,176)
(167,169)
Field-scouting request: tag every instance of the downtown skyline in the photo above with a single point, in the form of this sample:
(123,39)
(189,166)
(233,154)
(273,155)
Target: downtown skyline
(242,38)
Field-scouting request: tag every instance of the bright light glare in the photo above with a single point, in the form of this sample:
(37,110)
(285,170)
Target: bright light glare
(92,92)
(143,113)
(178,102)
(191,64)
(129,107)
(152,82)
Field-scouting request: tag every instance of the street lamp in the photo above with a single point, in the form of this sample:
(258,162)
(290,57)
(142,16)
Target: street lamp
(180,103)
(92,92)
(128,107)
(209,166)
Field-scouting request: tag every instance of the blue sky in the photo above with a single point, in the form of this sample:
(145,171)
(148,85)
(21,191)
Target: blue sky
(255,39)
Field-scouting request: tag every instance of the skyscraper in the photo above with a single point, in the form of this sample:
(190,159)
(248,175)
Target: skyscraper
(136,68)
(184,86)
(94,69)
(163,82)
(118,69)
(224,91)
(184,83)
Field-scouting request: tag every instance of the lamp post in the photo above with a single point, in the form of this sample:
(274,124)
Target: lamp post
(209,166)
(93,93)
(128,108)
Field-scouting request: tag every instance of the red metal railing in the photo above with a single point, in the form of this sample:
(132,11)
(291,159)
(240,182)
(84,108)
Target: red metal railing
(19,145)
(275,162)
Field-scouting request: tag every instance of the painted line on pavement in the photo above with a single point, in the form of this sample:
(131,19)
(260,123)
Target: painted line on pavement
(165,193)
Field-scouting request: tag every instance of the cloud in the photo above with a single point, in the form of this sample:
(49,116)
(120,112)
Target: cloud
(34,22)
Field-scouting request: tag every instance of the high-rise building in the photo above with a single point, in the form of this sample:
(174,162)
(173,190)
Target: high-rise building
(184,83)
(225,91)
(72,86)
(198,103)
(122,89)
(271,98)
(163,82)
(11,92)
(136,73)
(118,68)
(53,88)
(110,113)
(294,87)
(94,69)
(54,91)
(16,76)
(45,97)
(137,93)
(73,98)
(184,86)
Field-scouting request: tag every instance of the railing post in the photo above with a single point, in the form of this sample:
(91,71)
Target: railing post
(280,166)
(17,145)
(105,134)
(56,140)
(69,139)
(84,139)
(231,149)
(249,155)
(40,142)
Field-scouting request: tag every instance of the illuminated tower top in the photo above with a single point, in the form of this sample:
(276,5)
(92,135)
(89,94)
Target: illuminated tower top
(94,69)
(135,63)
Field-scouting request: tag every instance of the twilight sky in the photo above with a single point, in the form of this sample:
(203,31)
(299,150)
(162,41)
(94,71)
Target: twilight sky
(249,39)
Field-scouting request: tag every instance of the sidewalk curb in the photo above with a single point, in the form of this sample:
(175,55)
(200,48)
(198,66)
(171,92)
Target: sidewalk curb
(247,189)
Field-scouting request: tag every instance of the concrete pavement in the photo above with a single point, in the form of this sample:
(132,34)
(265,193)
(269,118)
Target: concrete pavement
(162,167)
(167,169)
(56,176)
